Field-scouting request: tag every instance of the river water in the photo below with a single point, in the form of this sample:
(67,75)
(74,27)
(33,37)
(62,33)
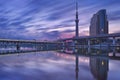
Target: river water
(54,65)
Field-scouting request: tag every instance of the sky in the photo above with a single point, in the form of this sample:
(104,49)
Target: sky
(52,19)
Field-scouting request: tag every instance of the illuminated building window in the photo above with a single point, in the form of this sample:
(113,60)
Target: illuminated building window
(103,63)
(102,30)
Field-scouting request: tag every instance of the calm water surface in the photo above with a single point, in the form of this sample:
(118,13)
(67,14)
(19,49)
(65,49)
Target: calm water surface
(51,65)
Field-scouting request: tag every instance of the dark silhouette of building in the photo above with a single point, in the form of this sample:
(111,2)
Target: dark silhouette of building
(99,23)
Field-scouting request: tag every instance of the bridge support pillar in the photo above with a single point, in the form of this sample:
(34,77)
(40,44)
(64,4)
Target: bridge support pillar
(46,46)
(88,43)
(63,46)
(18,47)
(73,46)
(114,41)
(89,46)
(114,51)
(35,46)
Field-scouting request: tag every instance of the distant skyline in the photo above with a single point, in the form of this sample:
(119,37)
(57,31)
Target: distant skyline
(48,20)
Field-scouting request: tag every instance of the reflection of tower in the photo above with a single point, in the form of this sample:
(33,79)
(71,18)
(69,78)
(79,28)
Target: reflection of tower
(77,20)
(99,67)
(77,66)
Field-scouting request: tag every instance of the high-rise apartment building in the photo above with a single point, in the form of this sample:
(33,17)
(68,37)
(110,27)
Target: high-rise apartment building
(99,23)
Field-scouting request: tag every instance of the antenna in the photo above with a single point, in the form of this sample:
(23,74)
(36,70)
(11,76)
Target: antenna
(76,6)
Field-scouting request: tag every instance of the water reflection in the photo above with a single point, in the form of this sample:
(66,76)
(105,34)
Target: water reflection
(99,67)
(77,66)
(72,64)
(98,61)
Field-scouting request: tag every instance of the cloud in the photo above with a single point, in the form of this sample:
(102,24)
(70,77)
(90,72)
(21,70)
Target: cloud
(28,19)
(50,35)
(115,15)
(84,33)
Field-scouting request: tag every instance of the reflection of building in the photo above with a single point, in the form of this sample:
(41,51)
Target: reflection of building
(99,23)
(99,67)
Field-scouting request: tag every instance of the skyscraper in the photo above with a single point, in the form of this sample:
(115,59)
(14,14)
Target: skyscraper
(99,23)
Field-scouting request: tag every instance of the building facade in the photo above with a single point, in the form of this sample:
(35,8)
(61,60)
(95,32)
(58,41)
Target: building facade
(99,23)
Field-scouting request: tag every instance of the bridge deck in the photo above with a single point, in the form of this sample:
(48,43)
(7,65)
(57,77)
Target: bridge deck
(90,37)
(26,41)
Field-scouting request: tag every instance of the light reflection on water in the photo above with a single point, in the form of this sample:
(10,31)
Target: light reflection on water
(52,65)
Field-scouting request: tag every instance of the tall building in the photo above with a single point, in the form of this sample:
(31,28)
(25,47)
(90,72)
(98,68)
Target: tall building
(77,21)
(99,23)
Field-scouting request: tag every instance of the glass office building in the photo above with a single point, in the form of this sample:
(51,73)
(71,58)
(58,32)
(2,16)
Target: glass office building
(99,23)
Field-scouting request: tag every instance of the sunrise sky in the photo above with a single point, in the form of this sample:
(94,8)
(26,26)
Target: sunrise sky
(52,19)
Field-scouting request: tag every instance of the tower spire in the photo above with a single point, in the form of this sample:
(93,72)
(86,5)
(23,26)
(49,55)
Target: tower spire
(77,20)
(76,5)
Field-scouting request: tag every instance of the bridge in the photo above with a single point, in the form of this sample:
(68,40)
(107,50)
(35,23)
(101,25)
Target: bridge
(10,46)
(17,46)
(112,40)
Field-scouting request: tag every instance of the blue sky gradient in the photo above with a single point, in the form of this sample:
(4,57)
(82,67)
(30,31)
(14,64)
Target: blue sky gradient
(52,19)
